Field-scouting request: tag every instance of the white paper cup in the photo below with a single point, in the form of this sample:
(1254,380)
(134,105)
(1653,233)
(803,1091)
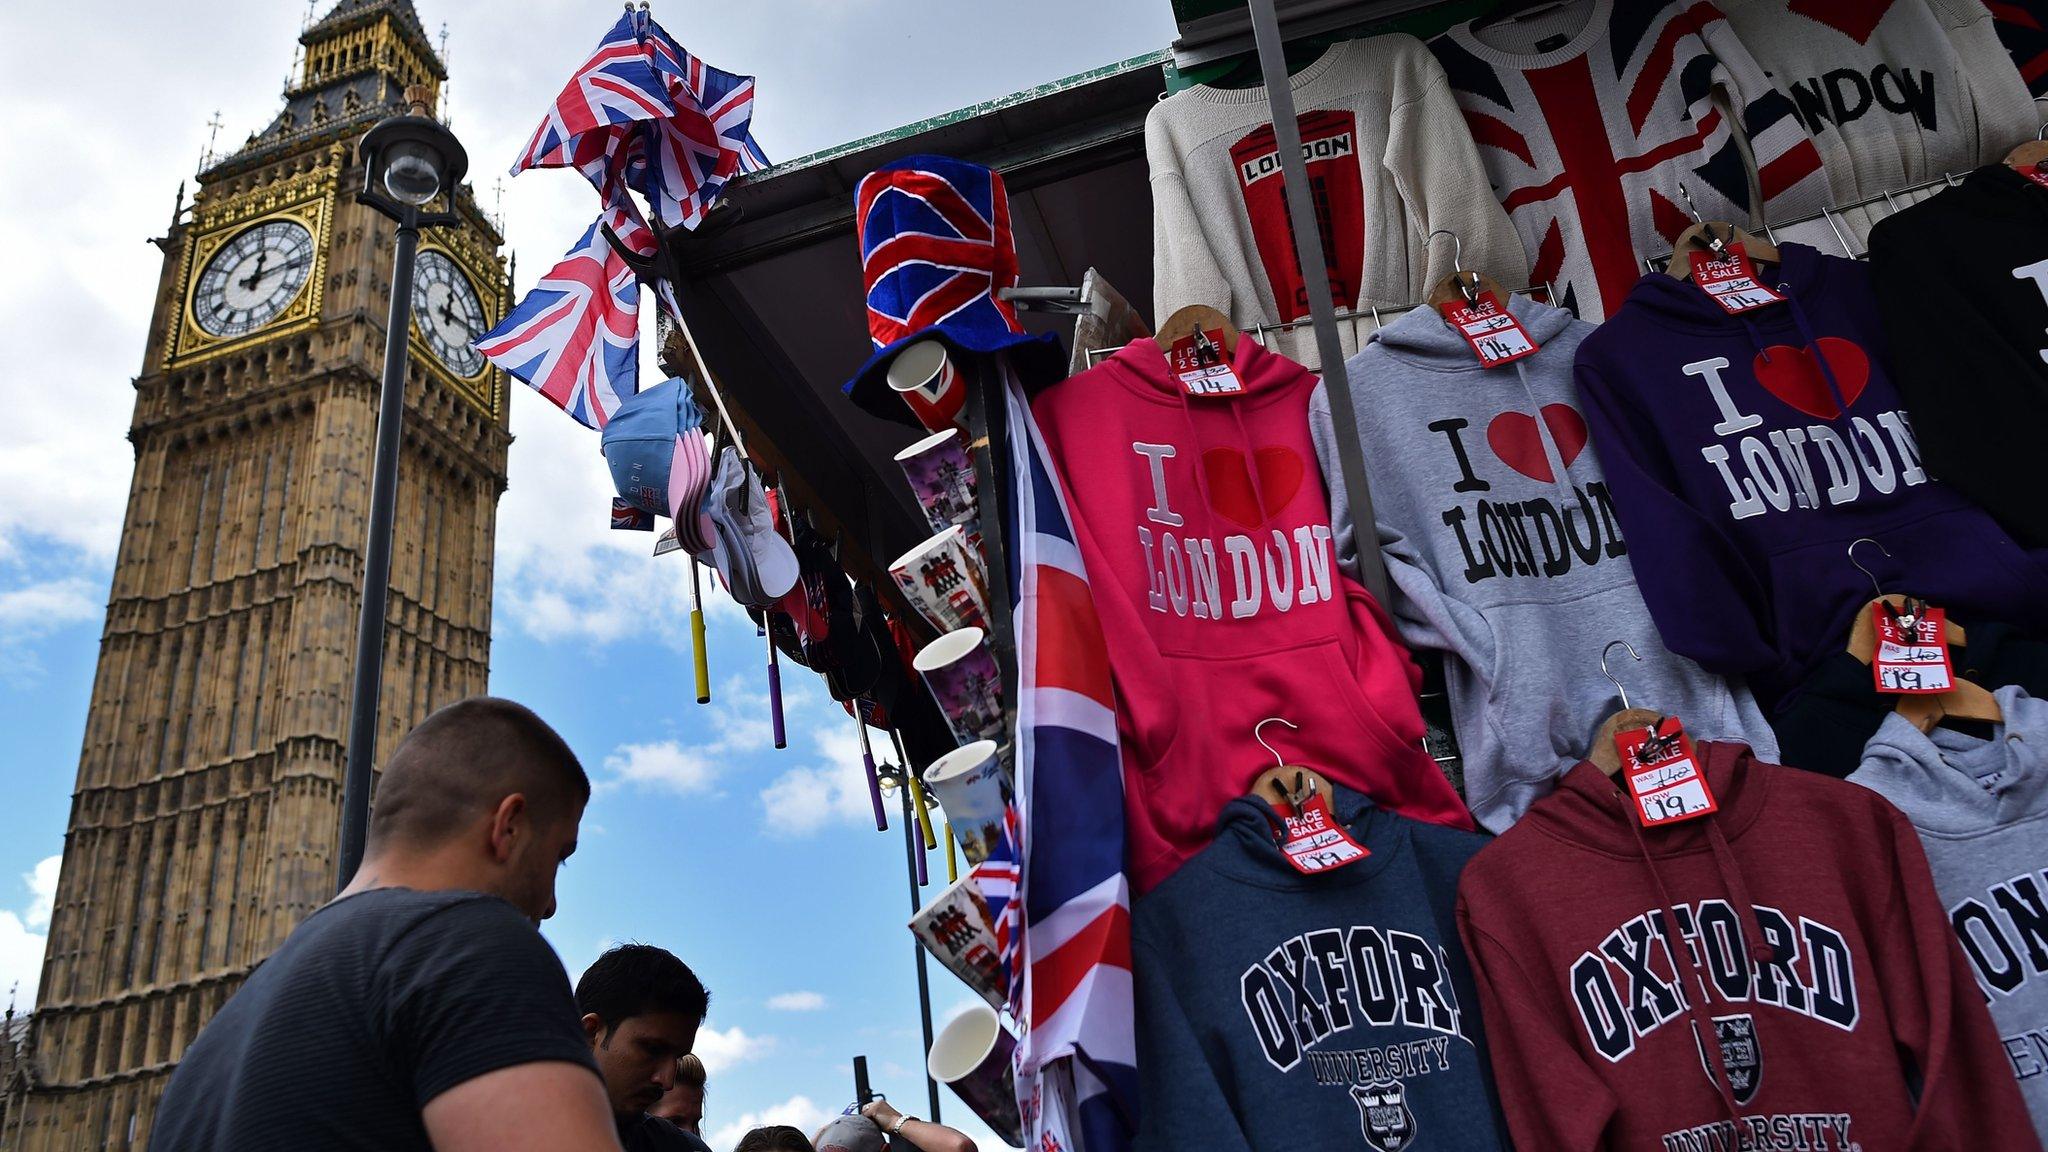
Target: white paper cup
(965,682)
(955,929)
(970,786)
(924,376)
(943,581)
(941,475)
(972,1055)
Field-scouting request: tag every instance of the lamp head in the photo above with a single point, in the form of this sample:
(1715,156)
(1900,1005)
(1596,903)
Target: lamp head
(410,161)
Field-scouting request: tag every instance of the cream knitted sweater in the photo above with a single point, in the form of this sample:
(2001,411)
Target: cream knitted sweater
(1389,160)
(1895,92)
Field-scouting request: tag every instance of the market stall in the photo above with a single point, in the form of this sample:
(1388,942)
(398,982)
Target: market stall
(1155,430)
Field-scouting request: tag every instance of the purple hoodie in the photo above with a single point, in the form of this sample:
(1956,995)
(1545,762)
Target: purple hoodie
(1742,467)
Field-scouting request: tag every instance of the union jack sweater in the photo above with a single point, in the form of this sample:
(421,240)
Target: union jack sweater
(1590,116)
(2023,29)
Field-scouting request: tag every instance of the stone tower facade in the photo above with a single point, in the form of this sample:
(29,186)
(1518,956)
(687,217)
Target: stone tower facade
(205,820)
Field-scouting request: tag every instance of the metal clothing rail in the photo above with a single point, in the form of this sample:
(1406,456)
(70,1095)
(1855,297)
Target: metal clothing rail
(1831,216)
(1347,316)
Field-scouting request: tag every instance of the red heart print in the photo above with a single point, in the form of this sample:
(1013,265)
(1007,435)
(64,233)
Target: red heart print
(1230,483)
(1856,19)
(1514,438)
(1793,375)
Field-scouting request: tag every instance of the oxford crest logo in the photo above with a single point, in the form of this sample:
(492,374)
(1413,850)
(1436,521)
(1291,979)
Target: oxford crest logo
(1384,1114)
(1741,1054)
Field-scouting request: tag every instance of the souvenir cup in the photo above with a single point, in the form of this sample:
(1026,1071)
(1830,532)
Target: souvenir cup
(924,376)
(972,1055)
(956,929)
(942,580)
(941,476)
(969,785)
(964,681)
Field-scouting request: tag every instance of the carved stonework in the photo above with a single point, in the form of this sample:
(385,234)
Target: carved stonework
(208,789)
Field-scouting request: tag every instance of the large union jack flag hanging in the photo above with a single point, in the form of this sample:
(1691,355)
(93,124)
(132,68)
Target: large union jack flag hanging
(643,113)
(1077,998)
(575,337)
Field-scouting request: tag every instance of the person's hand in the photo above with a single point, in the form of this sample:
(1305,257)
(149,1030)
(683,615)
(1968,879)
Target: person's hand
(882,1113)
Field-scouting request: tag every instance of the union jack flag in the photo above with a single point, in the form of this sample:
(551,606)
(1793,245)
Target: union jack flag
(996,879)
(707,140)
(934,247)
(1077,999)
(643,113)
(575,338)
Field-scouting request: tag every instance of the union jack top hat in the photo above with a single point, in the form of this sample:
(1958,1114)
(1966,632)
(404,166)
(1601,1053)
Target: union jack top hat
(935,248)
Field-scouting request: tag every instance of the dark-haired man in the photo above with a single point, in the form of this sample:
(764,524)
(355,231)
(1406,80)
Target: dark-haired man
(641,1010)
(420,1009)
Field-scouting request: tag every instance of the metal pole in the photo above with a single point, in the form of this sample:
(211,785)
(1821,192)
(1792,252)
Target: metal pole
(1315,275)
(924,980)
(362,720)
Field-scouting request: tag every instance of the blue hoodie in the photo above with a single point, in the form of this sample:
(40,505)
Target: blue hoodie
(1280,1011)
(1742,467)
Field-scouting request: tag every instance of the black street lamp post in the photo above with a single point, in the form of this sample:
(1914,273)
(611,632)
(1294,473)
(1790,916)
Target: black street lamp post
(409,161)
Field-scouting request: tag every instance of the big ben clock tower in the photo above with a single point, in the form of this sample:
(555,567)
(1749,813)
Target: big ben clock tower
(205,819)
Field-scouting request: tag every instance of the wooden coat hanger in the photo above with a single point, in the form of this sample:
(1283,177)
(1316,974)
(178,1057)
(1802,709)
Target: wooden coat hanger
(1284,782)
(1968,700)
(1604,755)
(1702,237)
(1197,318)
(2032,153)
(1463,283)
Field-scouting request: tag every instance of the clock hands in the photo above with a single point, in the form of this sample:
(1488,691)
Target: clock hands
(448,316)
(256,276)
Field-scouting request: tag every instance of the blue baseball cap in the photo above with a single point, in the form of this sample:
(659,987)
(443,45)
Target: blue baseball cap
(639,444)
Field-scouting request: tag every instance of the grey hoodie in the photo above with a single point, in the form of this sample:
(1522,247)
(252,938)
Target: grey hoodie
(1504,552)
(1981,809)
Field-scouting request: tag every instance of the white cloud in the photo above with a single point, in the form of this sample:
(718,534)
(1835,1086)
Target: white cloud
(797,1002)
(53,603)
(21,945)
(725,1049)
(42,890)
(32,611)
(666,765)
(739,725)
(797,1112)
(833,790)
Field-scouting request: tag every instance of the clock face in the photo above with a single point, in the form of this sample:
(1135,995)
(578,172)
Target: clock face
(253,278)
(449,314)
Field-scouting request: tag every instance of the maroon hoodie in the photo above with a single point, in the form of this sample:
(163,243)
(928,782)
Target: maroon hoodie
(1206,533)
(1840,1012)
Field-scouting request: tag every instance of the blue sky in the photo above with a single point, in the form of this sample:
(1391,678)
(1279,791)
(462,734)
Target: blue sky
(761,868)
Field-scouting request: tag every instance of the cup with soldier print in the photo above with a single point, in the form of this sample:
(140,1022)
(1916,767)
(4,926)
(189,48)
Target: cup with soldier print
(943,581)
(964,681)
(957,930)
(941,476)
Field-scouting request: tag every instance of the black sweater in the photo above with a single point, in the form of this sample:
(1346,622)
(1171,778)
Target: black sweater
(1962,281)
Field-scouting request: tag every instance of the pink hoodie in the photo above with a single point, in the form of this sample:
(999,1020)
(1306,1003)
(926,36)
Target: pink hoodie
(1222,603)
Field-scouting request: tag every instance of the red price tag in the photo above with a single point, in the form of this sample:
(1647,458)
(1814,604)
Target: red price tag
(2032,172)
(1732,281)
(1201,365)
(1315,843)
(1664,776)
(1493,332)
(1914,660)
